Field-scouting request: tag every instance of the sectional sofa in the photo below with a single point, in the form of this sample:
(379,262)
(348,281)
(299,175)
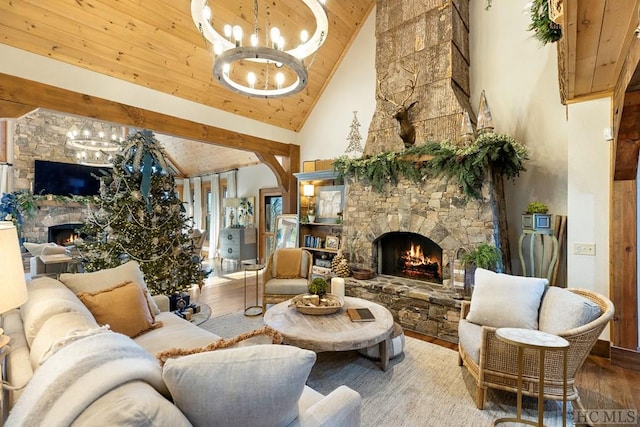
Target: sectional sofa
(68,368)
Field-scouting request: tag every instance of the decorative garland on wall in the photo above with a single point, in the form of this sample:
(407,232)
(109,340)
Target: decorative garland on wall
(469,164)
(544,29)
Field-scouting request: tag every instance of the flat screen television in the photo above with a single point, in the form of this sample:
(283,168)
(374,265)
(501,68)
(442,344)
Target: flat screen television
(64,179)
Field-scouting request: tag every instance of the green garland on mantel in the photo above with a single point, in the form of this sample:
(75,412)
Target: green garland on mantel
(467,164)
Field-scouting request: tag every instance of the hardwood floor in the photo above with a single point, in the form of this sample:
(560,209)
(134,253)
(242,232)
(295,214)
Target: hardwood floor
(601,385)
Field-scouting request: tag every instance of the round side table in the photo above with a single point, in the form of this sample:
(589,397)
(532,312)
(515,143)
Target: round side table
(542,341)
(252,310)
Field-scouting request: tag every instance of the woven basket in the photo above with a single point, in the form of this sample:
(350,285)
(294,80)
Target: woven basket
(462,276)
(334,301)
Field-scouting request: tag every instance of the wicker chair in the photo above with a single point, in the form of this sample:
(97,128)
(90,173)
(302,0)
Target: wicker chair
(276,289)
(498,363)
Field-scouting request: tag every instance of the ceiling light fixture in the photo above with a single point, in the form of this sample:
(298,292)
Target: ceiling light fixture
(272,72)
(93,148)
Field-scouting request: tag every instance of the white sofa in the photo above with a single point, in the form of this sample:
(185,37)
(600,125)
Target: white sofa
(58,347)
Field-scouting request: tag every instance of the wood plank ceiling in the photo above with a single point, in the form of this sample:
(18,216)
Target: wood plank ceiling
(154,43)
(597,35)
(598,56)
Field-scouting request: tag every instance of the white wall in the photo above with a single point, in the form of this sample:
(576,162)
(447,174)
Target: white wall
(253,178)
(520,79)
(352,88)
(250,180)
(589,193)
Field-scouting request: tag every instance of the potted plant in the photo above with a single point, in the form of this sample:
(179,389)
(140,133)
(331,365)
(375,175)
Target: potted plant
(318,286)
(484,256)
(536,217)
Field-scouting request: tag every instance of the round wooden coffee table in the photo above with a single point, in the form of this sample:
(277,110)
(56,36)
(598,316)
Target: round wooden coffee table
(333,332)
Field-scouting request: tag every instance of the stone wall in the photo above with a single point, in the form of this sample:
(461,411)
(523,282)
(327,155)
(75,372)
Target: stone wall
(432,38)
(41,135)
(421,307)
(429,39)
(436,209)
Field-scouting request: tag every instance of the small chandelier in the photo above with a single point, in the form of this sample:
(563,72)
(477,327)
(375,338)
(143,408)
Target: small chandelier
(95,149)
(272,71)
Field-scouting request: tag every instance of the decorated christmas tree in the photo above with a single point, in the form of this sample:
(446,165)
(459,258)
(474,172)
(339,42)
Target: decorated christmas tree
(139,217)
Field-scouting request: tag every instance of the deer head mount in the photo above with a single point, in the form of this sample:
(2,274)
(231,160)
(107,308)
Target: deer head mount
(406,131)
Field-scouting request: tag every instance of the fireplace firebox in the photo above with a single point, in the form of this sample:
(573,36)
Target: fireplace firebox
(409,255)
(64,234)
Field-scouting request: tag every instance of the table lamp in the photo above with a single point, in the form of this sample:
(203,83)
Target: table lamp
(13,286)
(308,190)
(232,203)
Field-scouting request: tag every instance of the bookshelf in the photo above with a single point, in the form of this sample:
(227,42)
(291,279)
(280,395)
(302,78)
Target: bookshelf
(322,236)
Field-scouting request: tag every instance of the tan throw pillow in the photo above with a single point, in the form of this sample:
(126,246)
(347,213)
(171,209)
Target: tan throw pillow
(123,307)
(107,278)
(287,262)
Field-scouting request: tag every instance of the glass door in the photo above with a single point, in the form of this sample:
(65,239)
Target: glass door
(270,209)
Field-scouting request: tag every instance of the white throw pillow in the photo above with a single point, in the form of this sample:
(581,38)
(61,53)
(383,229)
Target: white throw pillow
(104,279)
(54,330)
(562,310)
(506,301)
(248,386)
(48,297)
(35,249)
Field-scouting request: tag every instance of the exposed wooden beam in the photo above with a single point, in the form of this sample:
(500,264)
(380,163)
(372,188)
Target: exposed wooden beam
(628,139)
(32,95)
(3,141)
(624,271)
(13,110)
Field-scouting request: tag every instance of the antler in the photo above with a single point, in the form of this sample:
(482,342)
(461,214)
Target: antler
(412,82)
(379,92)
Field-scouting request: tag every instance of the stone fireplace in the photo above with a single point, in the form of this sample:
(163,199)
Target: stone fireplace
(56,222)
(409,233)
(63,234)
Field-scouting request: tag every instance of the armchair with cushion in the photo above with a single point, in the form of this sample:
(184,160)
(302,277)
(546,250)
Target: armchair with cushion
(287,273)
(501,300)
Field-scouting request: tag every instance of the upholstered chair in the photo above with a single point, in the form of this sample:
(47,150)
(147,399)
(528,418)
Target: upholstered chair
(287,273)
(499,300)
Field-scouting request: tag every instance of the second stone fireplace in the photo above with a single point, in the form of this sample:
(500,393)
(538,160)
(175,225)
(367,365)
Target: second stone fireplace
(64,234)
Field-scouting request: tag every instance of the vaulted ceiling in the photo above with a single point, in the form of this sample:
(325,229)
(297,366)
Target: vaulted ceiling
(154,43)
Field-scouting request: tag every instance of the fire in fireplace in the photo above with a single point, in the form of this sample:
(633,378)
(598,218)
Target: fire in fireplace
(64,234)
(409,255)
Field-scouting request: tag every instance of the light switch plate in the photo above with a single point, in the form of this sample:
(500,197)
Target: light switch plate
(584,249)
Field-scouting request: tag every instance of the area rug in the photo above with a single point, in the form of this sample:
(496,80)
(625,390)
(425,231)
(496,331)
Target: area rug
(424,386)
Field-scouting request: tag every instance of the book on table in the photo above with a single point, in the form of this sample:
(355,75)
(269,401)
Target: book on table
(360,315)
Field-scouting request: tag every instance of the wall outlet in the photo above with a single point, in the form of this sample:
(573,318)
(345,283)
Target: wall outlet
(584,249)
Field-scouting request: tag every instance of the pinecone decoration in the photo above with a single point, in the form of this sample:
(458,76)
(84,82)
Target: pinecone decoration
(340,265)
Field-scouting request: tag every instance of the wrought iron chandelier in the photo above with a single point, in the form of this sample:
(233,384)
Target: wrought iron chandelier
(271,71)
(94,148)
